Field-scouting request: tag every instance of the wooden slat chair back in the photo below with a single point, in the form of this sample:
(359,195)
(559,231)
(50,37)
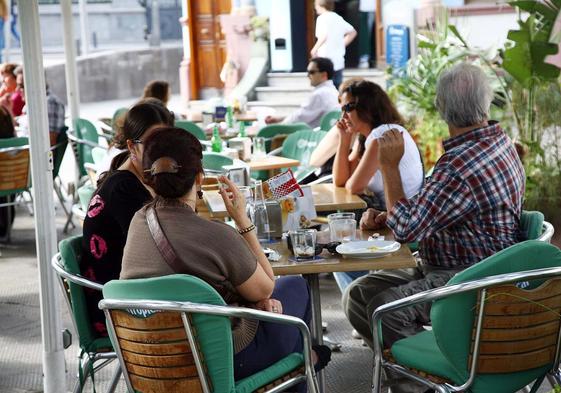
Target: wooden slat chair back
(156,351)
(14,170)
(520,328)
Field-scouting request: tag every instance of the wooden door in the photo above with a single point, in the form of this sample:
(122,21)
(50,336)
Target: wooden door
(208,46)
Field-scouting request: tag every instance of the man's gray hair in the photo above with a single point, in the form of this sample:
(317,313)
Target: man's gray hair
(463,95)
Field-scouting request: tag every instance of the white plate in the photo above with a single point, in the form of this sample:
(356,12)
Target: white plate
(368,249)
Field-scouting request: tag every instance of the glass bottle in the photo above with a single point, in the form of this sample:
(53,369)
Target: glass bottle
(216,141)
(259,213)
(229,121)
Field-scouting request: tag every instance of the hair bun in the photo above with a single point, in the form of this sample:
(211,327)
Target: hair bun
(163,165)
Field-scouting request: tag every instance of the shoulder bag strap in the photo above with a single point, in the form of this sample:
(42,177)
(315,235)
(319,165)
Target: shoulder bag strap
(162,242)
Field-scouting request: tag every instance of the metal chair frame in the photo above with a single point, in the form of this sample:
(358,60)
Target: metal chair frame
(186,308)
(480,285)
(92,357)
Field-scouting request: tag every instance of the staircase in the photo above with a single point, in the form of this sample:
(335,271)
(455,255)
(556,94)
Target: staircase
(287,90)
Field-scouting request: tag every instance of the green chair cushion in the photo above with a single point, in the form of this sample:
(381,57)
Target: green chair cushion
(71,254)
(406,352)
(531,223)
(271,373)
(300,146)
(329,119)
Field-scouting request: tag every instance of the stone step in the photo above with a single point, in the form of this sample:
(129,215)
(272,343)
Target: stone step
(285,79)
(290,94)
(280,108)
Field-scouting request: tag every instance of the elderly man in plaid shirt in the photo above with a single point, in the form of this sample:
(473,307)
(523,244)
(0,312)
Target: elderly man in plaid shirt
(468,210)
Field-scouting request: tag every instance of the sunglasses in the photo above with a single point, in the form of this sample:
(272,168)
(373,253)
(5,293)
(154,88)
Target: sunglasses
(351,106)
(312,72)
(331,247)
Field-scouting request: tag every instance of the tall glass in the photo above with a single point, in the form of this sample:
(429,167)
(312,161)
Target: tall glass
(259,150)
(248,195)
(259,213)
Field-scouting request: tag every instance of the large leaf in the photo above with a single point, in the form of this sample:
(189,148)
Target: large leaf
(525,60)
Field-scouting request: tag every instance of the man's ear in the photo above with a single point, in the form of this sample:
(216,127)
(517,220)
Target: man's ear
(199,179)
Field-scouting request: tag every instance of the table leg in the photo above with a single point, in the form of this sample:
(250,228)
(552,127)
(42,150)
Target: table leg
(316,329)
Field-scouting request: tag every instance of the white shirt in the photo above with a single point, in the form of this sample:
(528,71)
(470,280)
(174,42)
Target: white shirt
(334,28)
(410,166)
(323,99)
(367,6)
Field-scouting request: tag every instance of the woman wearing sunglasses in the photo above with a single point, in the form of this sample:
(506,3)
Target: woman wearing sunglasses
(368,112)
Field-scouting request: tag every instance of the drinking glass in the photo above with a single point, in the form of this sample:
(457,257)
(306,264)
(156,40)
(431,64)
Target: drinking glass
(259,147)
(303,243)
(259,214)
(338,216)
(343,230)
(248,195)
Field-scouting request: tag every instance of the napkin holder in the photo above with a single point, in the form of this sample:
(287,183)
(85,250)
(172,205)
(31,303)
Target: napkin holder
(238,174)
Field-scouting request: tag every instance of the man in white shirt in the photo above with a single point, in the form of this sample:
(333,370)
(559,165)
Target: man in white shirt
(333,35)
(323,99)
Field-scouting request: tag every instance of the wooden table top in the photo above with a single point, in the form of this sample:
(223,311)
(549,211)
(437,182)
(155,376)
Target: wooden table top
(327,197)
(335,263)
(197,117)
(271,162)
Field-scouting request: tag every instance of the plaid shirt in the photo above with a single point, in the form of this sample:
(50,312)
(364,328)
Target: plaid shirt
(470,207)
(55,112)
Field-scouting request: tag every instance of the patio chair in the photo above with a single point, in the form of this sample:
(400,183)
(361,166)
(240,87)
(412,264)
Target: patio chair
(214,162)
(273,130)
(14,175)
(95,353)
(192,128)
(495,326)
(329,119)
(173,333)
(300,146)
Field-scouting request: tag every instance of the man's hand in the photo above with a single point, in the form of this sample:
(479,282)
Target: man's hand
(390,148)
(373,219)
(272,119)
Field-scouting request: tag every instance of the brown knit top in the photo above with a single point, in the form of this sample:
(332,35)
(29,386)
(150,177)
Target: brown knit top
(210,250)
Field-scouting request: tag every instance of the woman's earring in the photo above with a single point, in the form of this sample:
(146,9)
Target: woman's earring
(200,194)
(133,157)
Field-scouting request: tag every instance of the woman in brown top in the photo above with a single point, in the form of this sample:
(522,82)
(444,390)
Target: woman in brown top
(231,261)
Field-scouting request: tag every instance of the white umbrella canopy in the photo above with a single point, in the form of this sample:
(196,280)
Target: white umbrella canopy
(41,173)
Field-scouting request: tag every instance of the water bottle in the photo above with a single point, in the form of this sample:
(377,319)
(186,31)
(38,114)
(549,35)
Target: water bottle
(216,141)
(259,214)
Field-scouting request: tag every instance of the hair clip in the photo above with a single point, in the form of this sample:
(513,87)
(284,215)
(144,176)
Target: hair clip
(163,165)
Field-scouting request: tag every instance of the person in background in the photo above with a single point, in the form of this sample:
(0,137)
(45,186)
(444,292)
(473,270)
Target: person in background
(8,79)
(55,108)
(7,214)
(120,193)
(237,267)
(16,100)
(157,89)
(333,35)
(322,100)
(323,155)
(3,19)
(368,111)
(468,210)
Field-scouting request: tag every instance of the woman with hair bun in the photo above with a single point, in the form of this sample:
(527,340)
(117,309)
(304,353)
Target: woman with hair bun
(120,193)
(234,265)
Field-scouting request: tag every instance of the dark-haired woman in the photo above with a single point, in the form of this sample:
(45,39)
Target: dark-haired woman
(230,260)
(120,193)
(369,112)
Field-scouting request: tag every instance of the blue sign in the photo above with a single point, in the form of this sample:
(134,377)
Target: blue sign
(397,46)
